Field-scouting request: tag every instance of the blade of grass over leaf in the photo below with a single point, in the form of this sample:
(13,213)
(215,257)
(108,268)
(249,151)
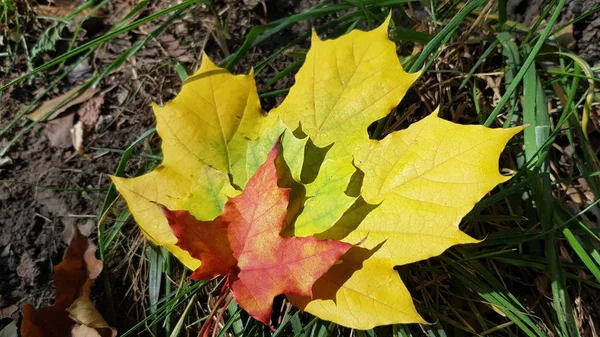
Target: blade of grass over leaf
(155,259)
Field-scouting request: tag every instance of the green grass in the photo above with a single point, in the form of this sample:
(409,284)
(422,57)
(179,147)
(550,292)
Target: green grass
(540,254)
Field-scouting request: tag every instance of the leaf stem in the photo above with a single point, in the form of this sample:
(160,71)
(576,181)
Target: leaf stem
(222,296)
(214,334)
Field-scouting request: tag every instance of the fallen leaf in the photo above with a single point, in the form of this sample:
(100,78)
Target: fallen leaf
(119,9)
(90,111)
(231,137)
(46,111)
(208,241)
(77,134)
(8,311)
(72,280)
(420,181)
(5,161)
(344,85)
(424,180)
(81,330)
(253,3)
(83,70)
(10,330)
(88,117)
(88,319)
(406,193)
(565,37)
(27,269)
(58,131)
(244,243)
(60,12)
(174,48)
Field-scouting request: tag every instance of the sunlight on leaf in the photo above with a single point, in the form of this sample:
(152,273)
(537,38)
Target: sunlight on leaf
(209,132)
(344,85)
(424,179)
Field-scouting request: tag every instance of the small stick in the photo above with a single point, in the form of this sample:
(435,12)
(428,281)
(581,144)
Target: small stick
(204,330)
(214,334)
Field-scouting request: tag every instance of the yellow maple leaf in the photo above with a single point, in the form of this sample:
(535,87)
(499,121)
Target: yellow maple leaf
(212,130)
(343,86)
(418,183)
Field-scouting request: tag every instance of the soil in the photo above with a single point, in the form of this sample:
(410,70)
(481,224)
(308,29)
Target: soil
(46,186)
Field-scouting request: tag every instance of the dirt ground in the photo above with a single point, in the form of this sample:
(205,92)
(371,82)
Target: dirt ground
(46,186)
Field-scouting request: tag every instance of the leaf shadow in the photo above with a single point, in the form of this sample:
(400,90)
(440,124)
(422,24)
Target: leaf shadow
(328,285)
(349,221)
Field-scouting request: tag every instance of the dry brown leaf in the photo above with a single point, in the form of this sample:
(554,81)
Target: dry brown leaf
(58,131)
(45,108)
(8,311)
(89,112)
(73,280)
(250,4)
(120,9)
(89,319)
(27,269)
(5,161)
(565,37)
(494,83)
(60,12)
(88,117)
(173,47)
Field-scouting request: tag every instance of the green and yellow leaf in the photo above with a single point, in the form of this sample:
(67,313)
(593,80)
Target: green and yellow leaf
(344,85)
(420,181)
(211,131)
(424,180)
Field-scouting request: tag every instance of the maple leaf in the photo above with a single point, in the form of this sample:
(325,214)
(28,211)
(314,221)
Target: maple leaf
(344,85)
(72,313)
(406,194)
(244,244)
(418,183)
(209,132)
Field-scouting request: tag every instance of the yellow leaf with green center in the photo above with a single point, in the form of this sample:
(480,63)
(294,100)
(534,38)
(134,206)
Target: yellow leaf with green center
(213,134)
(344,85)
(418,184)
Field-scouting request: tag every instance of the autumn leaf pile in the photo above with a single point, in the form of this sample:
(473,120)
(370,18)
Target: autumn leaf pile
(300,201)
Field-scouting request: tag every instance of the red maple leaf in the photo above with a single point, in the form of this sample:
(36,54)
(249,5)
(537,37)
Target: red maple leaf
(244,244)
